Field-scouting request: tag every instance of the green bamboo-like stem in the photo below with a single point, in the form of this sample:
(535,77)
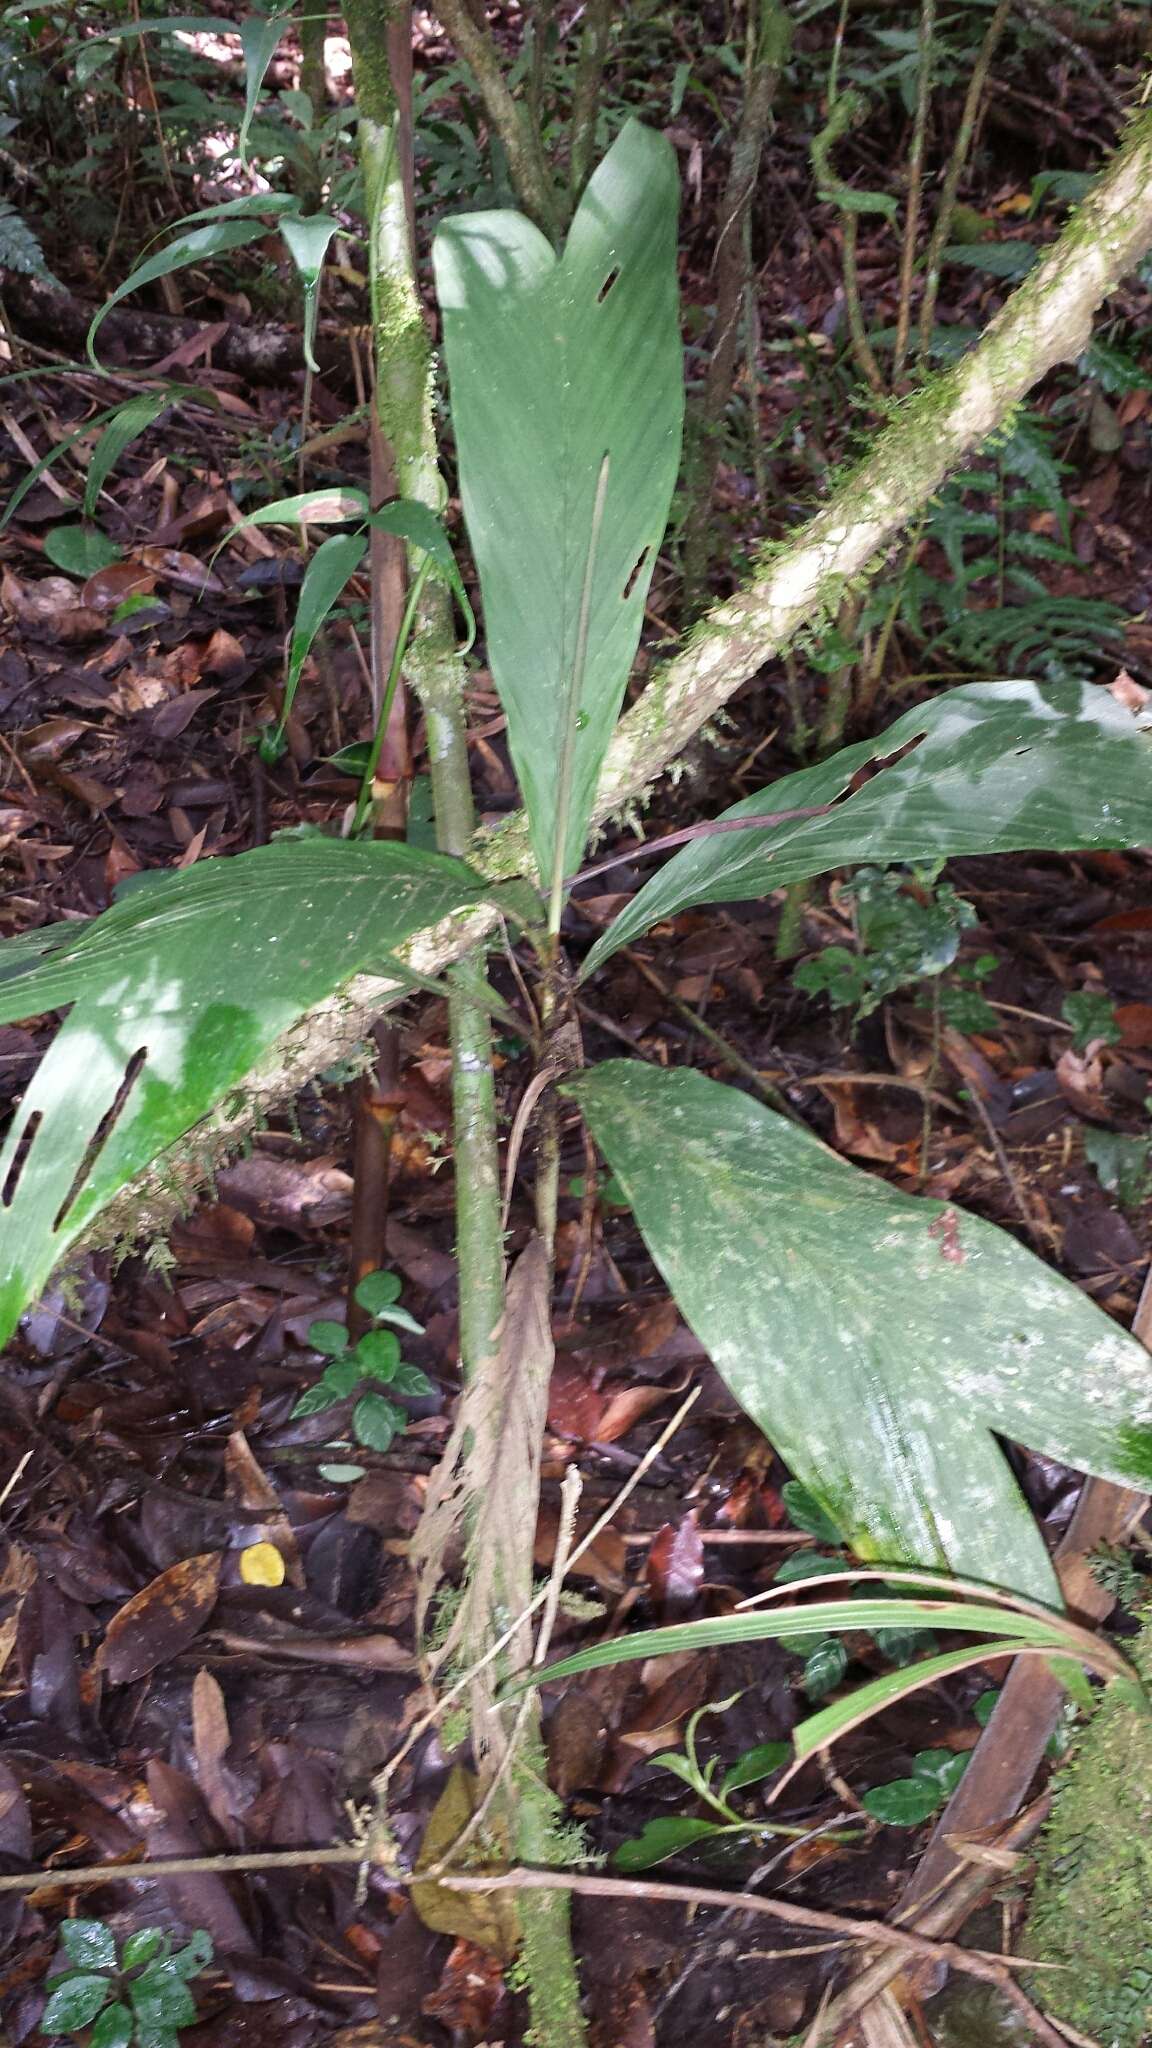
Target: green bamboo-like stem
(770,39)
(594,42)
(524,1810)
(527,165)
(956,162)
(927,40)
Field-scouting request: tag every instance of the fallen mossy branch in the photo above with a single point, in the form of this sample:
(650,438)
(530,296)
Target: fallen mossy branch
(1045,322)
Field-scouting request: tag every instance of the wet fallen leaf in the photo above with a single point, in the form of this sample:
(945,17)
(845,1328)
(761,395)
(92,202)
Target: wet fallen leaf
(181,571)
(469,1993)
(1135,1022)
(262,1565)
(161,1620)
(108,587)
(486,1918)
(675,1564)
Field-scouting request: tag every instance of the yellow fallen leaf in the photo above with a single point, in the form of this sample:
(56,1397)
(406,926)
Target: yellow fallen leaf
(262,1565)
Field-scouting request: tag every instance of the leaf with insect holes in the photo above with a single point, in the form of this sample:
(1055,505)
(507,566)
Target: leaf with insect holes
(988,768)
(880,1340)
(554,363)
(177,991)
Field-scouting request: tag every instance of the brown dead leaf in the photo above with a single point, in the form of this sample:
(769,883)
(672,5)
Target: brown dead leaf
(224,656)
(486,1918)
(251,1488)
(675,1564)
(211,1738)
(469,1994)
(1081,1078)
(169,720)
(1135,1021)
(181,571)
(108,587)
(630,1405)
(161,1620)
(1127,691)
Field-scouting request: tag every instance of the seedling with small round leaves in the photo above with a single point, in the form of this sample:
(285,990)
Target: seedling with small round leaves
(375,1358)
(138,1998)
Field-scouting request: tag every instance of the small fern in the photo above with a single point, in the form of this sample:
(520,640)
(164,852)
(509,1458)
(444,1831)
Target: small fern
(19,247)
(991,611)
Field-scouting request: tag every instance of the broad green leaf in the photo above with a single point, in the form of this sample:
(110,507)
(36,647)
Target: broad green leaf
(74,2004)
(942,1768)
(335,560)
(177,991)
(80,550)
(330,1338)
(260,36)
(661,1839)
(554,364)
(128,422)
(197,247)
(88,1944)
(904,1802)
(988,768)
(877,1338)
(307,240)
(824,1668)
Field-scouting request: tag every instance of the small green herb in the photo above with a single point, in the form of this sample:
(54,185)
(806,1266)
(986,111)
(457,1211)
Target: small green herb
(377,1358)
(140,2000)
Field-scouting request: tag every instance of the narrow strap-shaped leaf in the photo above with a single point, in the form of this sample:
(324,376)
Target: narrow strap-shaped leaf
(126,425)
(216,239)
(260,37)
(335,560)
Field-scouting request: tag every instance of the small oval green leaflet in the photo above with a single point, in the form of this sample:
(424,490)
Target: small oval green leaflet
(878,1339)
